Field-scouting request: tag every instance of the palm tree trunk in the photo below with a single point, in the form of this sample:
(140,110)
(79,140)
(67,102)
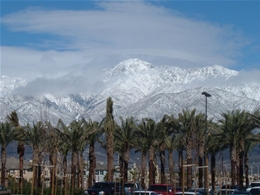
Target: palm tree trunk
(92,165)
(233,164)
(171,169)
(143,170)
(201,157)
(81,171)
(241,163)
(180,158)
(35,161)
(189,161)
(3,159)
(64,166)
(73,171)
(39,171)
(247,169)
(121,168)
(162,160)
(53,159)
(110,156)
(126,160)
(151,165)
(213,171)
(21,150)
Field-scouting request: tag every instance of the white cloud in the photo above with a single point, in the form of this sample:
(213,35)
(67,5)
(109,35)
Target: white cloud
(132,28)
(81,43)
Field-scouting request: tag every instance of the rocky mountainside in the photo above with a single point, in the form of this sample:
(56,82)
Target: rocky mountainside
(138,89)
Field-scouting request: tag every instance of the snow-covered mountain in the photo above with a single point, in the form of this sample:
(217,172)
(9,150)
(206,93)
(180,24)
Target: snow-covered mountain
(138,89)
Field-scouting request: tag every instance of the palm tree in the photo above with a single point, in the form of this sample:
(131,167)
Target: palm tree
(6,137)
(171,145)
(248,147)
(141,146)
(163,132)
(245,127)
(14,122)
(53,140)
(73,135)
(109,129)
(125,136)
(148,130)
(94,127)
(187,126)
(200,138)
(235,125)
(214,146)
(35,137)
(64,149)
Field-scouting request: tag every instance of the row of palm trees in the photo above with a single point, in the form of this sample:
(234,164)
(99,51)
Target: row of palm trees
(184,133)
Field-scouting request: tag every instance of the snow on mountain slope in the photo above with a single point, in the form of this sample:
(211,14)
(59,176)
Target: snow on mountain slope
(138,89)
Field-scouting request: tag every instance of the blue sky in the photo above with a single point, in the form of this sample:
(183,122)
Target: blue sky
(53,38)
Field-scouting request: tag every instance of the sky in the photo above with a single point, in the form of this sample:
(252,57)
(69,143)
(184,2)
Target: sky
(63,39)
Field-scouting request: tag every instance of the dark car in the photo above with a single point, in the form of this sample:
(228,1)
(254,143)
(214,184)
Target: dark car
(130,187)
(255,191)
(104,188)
(239,188)
(202,191)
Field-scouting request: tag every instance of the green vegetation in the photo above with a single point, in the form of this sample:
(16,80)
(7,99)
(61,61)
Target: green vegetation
(183,132)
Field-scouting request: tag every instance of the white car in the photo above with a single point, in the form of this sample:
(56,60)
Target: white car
(253,184)
(143,192)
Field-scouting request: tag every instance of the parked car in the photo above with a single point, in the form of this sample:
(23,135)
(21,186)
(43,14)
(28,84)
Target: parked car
(104,188)
(164,189)
(5,191)
(227,191)
(254,190)
(253,184)
(144,192)
(187,193)
(232,187)
(131,187)
(202,191)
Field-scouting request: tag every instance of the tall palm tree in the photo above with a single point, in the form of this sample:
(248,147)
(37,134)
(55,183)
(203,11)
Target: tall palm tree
(171,145)
(96,129)
(35,136)
(14,122)
(6,137)
(187,126)
(64,150)
(52,139)
(200,138)
(125,136)
(73,135)
(245,128)
(214,146)
(148,130)
(233,125)
(109,129)
(163,132)
(141,146)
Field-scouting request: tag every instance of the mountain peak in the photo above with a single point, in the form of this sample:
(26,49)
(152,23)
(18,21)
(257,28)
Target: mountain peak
(131,66)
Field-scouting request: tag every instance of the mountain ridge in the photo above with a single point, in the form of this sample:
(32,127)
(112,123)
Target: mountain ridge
(138,89)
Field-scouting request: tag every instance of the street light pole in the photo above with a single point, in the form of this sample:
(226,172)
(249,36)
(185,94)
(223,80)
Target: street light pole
(206,131)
